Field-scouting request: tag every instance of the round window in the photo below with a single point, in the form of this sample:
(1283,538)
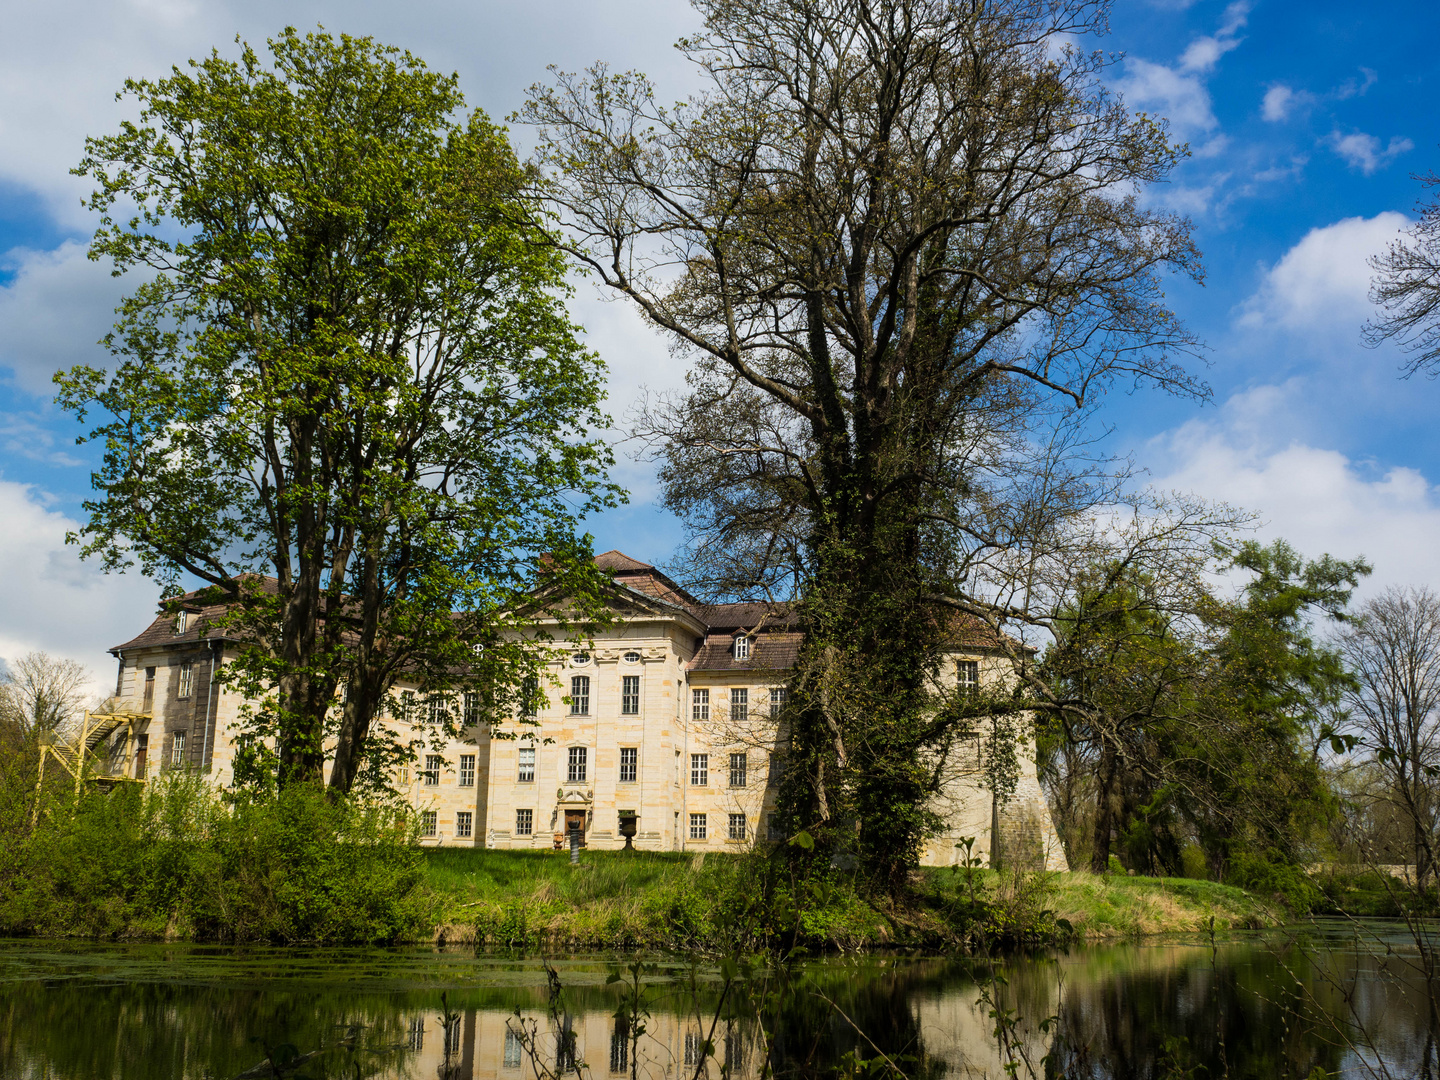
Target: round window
(580,658)
(632,657)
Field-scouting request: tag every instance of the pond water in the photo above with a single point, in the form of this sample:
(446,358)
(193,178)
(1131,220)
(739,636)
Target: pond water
(1257,1007)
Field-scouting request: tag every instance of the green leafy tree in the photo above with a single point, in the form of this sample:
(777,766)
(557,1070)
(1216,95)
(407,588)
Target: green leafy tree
(347,396)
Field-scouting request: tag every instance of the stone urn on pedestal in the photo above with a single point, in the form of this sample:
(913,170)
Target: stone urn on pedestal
(628,824)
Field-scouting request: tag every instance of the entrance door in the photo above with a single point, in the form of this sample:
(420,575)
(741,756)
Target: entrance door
(575,819)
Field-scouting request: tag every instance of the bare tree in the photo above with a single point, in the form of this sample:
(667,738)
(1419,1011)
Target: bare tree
(901,242)
(1407,286)
(1393,649)
(42,693)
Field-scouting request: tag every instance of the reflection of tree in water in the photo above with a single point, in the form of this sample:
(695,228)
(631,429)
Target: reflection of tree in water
(159,1030)
(1240,1016)
(816,1027)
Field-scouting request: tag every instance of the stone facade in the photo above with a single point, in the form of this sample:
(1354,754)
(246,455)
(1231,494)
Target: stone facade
(669,714)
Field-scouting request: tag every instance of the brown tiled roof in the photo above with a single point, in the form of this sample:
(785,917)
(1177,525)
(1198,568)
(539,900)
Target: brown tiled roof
(617,562)
(768,652)
(748,615)
(200,624)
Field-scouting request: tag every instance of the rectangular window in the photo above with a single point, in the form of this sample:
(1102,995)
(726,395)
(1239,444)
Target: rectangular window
(417,1033)
(431,773)
(187,678)
(527,765)
(620,1046)
(427,823)
(512,1049)
(739,766)
(694,1047)
(436,711)
(467,770)
(778,695)
(579,695)
(697,826)
(772,827)
(699,770)
(529,691)
(464,823)
(407,705)
(967,673)
(700,705)
(630,695)
(524,822)
(629,762)
(177,748)
(579,759)
(472,708)
(739,703)
(737,826)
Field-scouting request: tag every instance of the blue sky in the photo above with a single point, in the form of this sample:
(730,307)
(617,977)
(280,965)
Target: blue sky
(1305,120)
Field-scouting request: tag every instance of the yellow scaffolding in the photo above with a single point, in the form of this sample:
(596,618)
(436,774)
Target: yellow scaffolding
(96,728)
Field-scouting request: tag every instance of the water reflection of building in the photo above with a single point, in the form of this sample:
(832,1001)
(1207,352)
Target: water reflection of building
(487,1044)
(669,719)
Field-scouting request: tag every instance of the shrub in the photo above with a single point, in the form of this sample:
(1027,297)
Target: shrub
(176,858)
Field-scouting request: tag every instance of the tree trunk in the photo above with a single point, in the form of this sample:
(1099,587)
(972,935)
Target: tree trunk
(1104,813)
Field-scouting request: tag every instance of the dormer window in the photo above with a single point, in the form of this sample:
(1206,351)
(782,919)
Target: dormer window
(182,621)
(742,647)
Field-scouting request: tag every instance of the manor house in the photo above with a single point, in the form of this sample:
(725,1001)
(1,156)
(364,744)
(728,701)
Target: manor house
(669,717)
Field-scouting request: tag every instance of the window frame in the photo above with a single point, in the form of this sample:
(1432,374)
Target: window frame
(464,824)
(967,674)
(185,682)
(632,765)
(743,830)
(177,748)
(429,823)
(527,820)
(430,775)
(467,771)
(470,708)
(521,763)
(629,702)
(778,696)
(739,702)
(699,826)
(699,770)
(742,647)
(579,695)
(577,765)
(741,757)
(700,704)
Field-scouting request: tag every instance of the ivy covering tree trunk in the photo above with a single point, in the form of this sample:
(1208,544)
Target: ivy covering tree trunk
(346,395)
(901,243)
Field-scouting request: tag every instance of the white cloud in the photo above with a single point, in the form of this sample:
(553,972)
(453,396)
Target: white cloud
(1202,54)
(1179,93)
(53,601)
(1322,283)
(55,308)
(61,62)
(1317,498)
(1282,101)
(1363,152)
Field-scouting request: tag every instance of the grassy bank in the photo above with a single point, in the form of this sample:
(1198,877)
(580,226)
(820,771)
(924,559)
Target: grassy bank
(617,899)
